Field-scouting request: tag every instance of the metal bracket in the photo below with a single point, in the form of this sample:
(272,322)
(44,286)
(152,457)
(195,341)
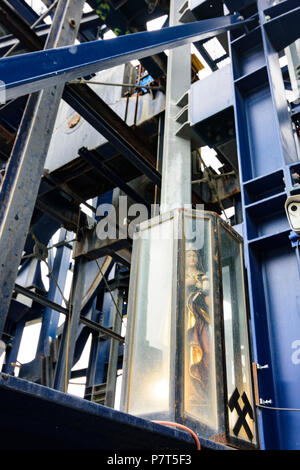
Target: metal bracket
(255,368)
(259,367)
(265,402)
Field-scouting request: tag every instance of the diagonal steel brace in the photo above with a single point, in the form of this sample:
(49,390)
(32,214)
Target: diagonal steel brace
(27,73)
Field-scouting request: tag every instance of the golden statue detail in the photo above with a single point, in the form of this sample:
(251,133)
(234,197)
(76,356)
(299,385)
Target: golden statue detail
(198,321)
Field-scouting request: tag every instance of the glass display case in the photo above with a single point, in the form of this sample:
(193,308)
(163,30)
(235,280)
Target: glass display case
(187,354)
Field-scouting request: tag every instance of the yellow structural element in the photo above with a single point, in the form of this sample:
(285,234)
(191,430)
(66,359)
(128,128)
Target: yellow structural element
(196,64)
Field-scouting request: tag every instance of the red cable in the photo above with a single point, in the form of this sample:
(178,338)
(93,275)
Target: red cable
(170,423)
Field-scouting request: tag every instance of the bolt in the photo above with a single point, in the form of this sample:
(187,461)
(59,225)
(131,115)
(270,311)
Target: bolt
(265,402)
(72,23)
(259,367)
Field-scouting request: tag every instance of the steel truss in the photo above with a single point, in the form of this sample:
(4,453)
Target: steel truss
(266,152)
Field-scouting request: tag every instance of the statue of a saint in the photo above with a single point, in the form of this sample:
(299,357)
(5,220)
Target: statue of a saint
(198,339)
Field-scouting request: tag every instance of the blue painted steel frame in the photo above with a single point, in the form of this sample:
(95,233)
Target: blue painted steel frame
(50,318)
(100,348)
(266,155)
(31,72)
(110,53)
(267,151)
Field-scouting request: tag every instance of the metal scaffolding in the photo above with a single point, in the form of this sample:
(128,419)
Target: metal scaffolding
(142,139)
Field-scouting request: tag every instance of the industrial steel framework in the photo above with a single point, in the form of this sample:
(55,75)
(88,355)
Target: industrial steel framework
(250,125)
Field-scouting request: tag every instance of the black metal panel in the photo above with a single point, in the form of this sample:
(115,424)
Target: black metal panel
(35,417)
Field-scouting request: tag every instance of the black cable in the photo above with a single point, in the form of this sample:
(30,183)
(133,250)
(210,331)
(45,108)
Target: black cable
(106,283)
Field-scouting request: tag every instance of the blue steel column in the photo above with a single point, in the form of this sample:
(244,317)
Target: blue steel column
(68,341)
(11,357)
(27,276)
(114,349)
(266,149)
(21,183)
(50,317)
(100,348)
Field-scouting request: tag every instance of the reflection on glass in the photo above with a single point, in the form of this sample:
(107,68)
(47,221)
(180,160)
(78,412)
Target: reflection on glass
(197,302)
(150,356)
(235,331)
(199,357)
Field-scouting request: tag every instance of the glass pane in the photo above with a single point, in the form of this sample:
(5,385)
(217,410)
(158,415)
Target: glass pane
(150,357)
(200,382)
(236,338)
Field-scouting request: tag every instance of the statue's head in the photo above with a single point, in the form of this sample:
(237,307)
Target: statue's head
(193,260)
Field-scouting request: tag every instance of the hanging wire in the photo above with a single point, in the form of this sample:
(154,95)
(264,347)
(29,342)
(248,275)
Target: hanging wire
(43,258)
(127,85)
(67,302)
(111,294)
(56,245)
(59,244)
(181,426)
(56,283)
(277,408)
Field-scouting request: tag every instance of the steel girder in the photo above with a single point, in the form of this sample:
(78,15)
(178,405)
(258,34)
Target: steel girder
(22,179)
(267,154)
(40,299)
(31,72)
(86,102)
(96,162)
(99,115)
(14,23)
(87,30)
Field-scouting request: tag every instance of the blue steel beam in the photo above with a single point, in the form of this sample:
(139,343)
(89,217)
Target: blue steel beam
(50,316)
(31,72)
(83,100)
(68,342)
(282,23)
(266,150)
